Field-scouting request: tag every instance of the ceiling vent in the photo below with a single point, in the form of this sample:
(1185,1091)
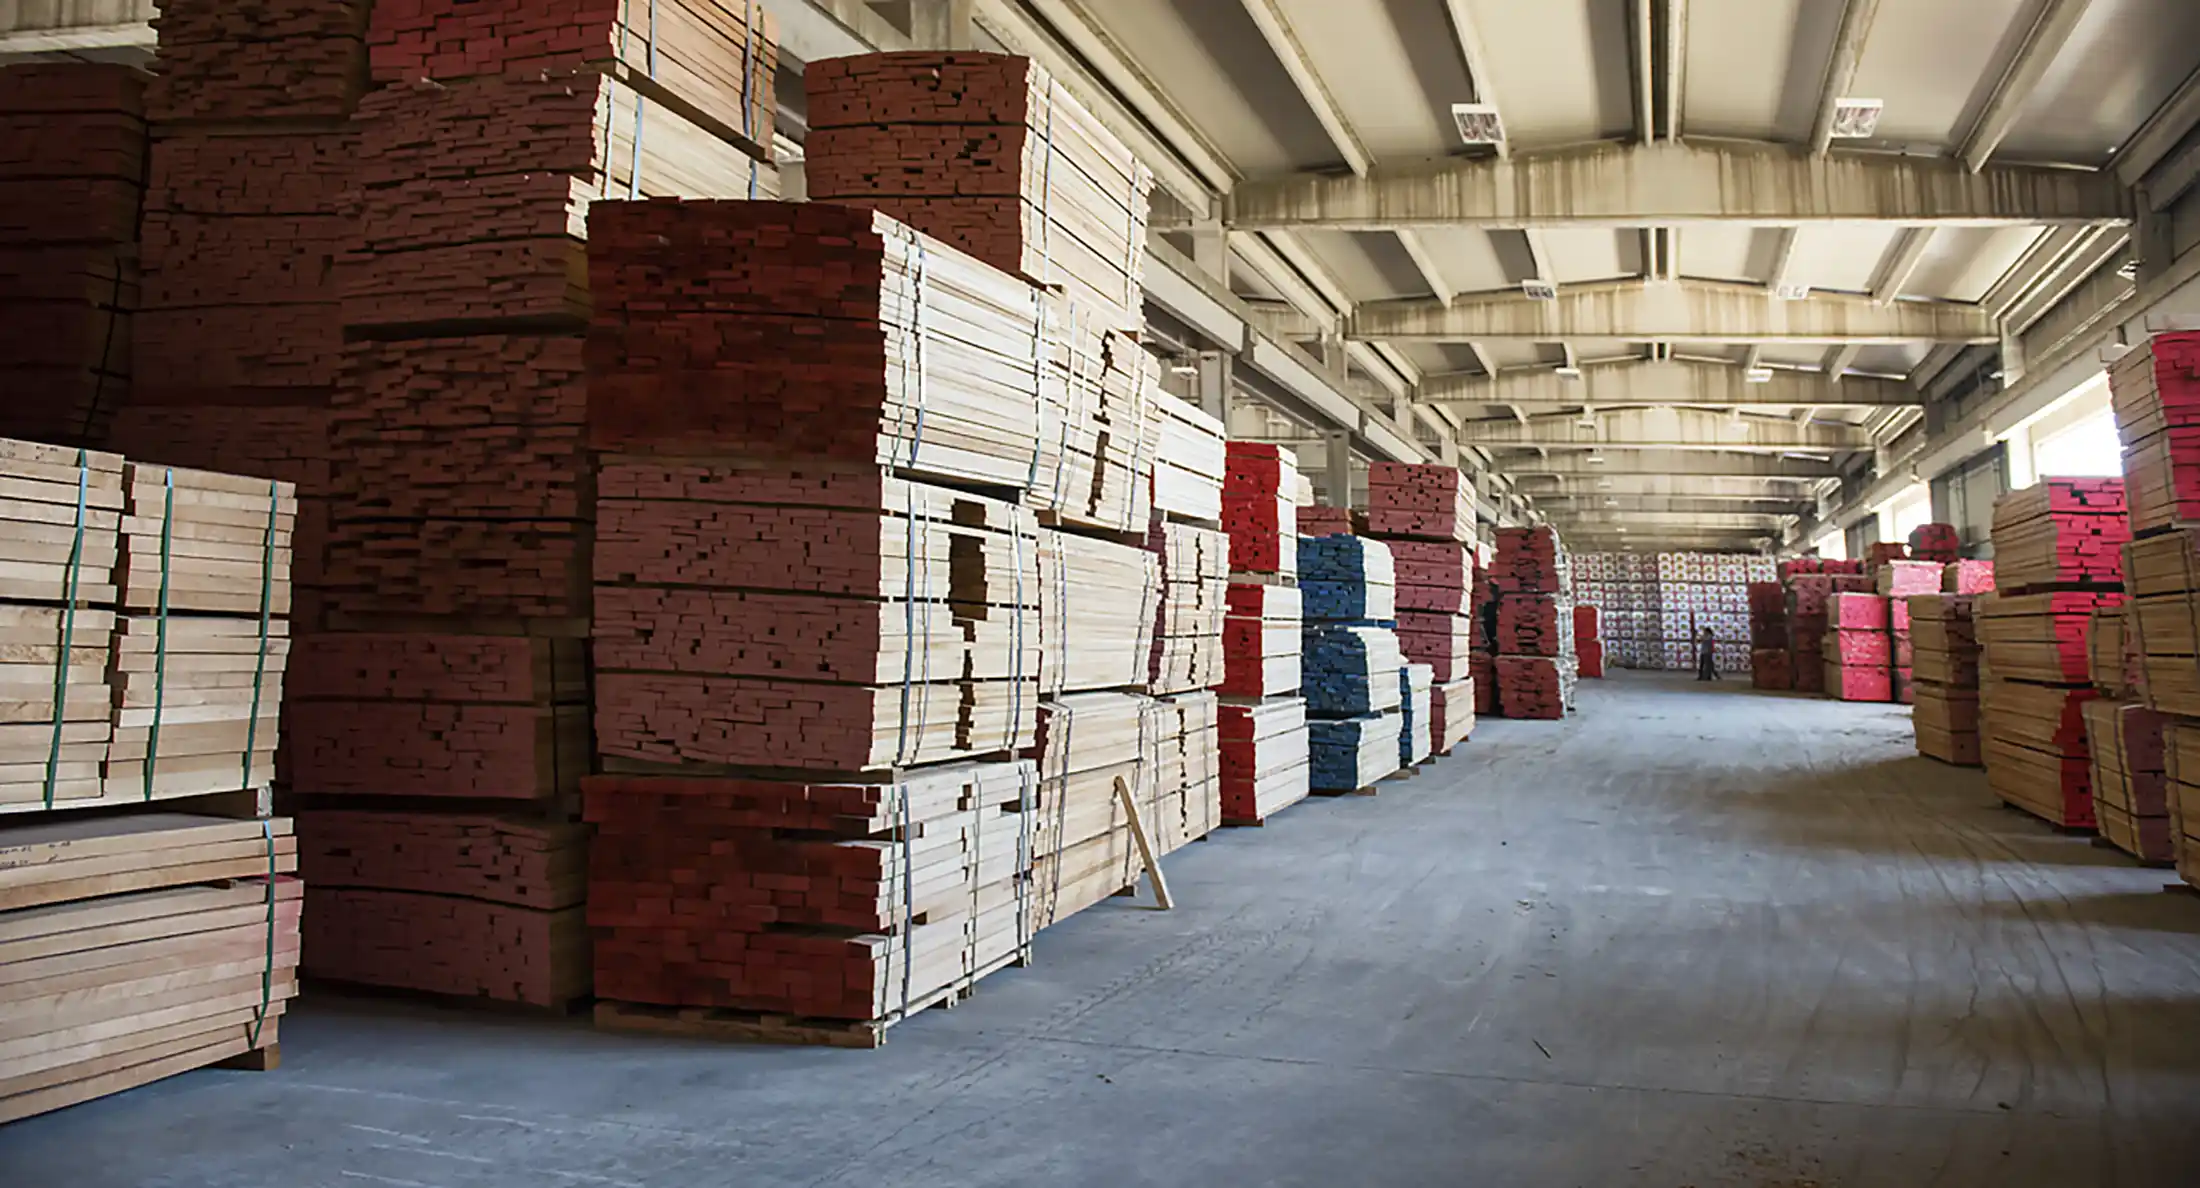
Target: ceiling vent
(1856,119)
(1478,123)
(1539,290)
(1787,291)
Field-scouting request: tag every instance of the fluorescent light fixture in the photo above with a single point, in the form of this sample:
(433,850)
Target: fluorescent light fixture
(1539,290)
(1568,372)
(1757,375)
(1478,123)
(1185,369)
(1856,118)
(1791,292)
(1595,459)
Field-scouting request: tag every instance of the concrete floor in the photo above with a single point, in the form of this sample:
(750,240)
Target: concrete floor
(1691,938)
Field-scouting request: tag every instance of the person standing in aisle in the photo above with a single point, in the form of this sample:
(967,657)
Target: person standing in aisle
(1707,656)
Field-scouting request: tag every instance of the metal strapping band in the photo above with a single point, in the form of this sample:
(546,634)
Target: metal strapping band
(1016,633)
(749,88)
(267,970)
(68,625)
(908,892)
(267,594)
(908,606)
(1046,189)
(160,647)
(1061,809)
(916,336)
(641,104)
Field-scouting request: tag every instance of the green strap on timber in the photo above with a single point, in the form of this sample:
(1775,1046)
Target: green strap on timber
(160,648)
(68,626)
(267,970)
(267,594)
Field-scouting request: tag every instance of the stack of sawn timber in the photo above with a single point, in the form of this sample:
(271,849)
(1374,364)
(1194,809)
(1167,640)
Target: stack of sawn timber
(2155,390)
(989,153)
(1945,661)
(822,638)
(72,180)
(1265,733)
(1354,671)
(2058,558)
(412,229)
(145,616)
(1425,513)
(1535,665)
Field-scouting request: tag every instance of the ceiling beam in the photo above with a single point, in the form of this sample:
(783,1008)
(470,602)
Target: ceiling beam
(1675,505)
(1769,467)
(2042,43)
(1685,311)
(1848,51)
(1122,96)
(1425,263)
(1275,29)
(1693,521)
(1469,36)
(1909,250)
(1675,429)
(1743,488)
(1666,184)
(1675,381)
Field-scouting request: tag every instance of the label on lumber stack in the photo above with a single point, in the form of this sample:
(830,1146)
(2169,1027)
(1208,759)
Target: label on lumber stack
(466,482)
(1347,579)
(446,239)
(800,331)
(830,619)
(1195,583)
(1265,752)
(989,153)
(2035,747)
(114,991)
(59,513)
(1349,754)
(1416,736)
(843,901)
(277,60)
(715,58)
(1539,687)
(1189,460)
(1451,714)
(2061,532)
(1098,606)
(1259,510)
(1428,501)
(71,185)
(1261,641)
(2155,390)
(2130,795)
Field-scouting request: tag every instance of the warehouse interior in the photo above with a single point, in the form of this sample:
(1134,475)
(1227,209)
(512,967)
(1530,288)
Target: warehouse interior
(1652,545)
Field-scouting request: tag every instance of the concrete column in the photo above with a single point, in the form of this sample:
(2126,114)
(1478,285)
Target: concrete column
(1215,369)
(1211,251)
(1337,472)
(2153,238)
(942,24)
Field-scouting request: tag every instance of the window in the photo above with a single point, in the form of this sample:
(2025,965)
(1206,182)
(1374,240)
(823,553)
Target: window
(2088,447)
(1905,512)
